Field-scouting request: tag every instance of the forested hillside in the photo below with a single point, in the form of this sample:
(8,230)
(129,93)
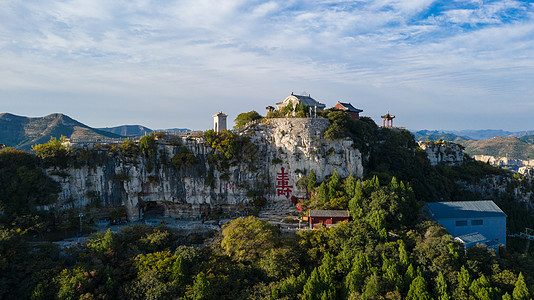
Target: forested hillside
(389,249)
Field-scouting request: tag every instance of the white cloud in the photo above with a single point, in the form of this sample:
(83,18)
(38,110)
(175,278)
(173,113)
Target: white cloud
(161,50)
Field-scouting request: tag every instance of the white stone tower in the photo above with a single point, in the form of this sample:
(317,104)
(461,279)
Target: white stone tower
(219,121)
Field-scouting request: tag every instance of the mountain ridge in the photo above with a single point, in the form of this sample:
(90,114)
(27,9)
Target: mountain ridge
(22,132)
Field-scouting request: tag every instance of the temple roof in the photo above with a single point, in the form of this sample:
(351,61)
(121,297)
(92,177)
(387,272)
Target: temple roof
(330,213)
(347,107)
(306,100)
(388,116)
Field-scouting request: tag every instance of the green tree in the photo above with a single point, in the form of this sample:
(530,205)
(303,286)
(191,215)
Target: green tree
(520,289)
(128,148)
(184,158)
(23,184)
(356,201)
(244,118)
(320,284)
(312,181)
(441,287)
(201,287)
(247,239)
(148,145)
(54,150)
(418,289)
(481,288)
(350,186)
(373,287)
(323,193)
(333,185)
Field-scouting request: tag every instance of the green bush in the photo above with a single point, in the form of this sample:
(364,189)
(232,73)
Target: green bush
(184,158)
(244,118)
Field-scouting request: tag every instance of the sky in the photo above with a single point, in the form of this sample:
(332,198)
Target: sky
(447,65)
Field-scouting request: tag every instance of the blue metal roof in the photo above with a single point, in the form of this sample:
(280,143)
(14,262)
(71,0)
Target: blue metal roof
(464,209)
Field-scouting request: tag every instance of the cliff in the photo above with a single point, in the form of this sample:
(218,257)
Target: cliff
(443,152)
(280,152)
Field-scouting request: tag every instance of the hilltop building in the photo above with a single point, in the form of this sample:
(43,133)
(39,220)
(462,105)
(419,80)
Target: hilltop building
(387,120)
(471,221)
(305,100)
(219,121)
(349,109)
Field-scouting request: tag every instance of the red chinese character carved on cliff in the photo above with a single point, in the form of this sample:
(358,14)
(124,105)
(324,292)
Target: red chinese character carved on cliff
(283,188)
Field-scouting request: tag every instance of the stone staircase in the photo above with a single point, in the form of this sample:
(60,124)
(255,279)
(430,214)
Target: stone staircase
(276,213)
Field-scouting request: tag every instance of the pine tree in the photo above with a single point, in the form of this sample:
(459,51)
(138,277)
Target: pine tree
(200,287)
(393,185)
(463,278)
(333,185)
(418,290)
(312,181)
(481,288)
(441,287)
(356,201)
(403,255)
(350,186)
(323,193)
(520,289)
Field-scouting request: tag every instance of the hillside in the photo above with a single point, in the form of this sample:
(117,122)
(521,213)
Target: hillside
(137,130)
(22,132)
(436,135)
(511,147)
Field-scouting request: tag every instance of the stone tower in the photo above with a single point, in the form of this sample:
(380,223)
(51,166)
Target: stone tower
(219,121)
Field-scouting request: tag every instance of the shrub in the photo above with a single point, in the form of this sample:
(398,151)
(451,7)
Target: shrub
(244,118)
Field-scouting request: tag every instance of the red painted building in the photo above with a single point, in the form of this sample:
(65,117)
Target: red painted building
(349,109)
(327,217)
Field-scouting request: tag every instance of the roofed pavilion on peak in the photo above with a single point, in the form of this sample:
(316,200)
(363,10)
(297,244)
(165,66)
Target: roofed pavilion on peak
(387,120)
(303,99)
(349,109)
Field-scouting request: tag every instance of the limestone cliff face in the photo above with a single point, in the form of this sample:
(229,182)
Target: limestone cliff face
(287,149)
(443,152)
(521,166)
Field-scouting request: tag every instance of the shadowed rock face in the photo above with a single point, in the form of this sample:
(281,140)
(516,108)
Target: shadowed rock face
(296,145)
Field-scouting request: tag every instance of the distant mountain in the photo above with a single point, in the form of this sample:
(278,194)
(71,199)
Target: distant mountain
(510,147)
(176,129)
(128,130)
(23,132)
(481,134)
(436,135)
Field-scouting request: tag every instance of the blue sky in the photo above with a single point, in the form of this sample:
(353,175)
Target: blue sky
(162,64)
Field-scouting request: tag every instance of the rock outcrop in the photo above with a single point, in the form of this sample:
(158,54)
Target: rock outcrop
(286,150)
(443,152)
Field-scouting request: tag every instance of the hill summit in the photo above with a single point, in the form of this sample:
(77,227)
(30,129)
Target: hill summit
(22,132)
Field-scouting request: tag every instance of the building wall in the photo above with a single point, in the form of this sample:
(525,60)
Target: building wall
(492,228)
(327,220)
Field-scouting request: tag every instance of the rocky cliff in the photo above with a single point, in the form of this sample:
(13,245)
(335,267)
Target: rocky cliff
(285,150)
(443,152)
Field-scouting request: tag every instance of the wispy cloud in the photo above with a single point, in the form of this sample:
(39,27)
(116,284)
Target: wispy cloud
(171,52)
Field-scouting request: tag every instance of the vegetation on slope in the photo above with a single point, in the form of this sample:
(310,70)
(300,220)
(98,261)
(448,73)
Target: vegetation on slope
(389,250)
(23,132)
(510,147)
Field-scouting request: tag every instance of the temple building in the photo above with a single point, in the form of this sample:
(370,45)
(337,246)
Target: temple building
(349,109)
(327,218)
(219,121)
(388,120)
(296,99)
